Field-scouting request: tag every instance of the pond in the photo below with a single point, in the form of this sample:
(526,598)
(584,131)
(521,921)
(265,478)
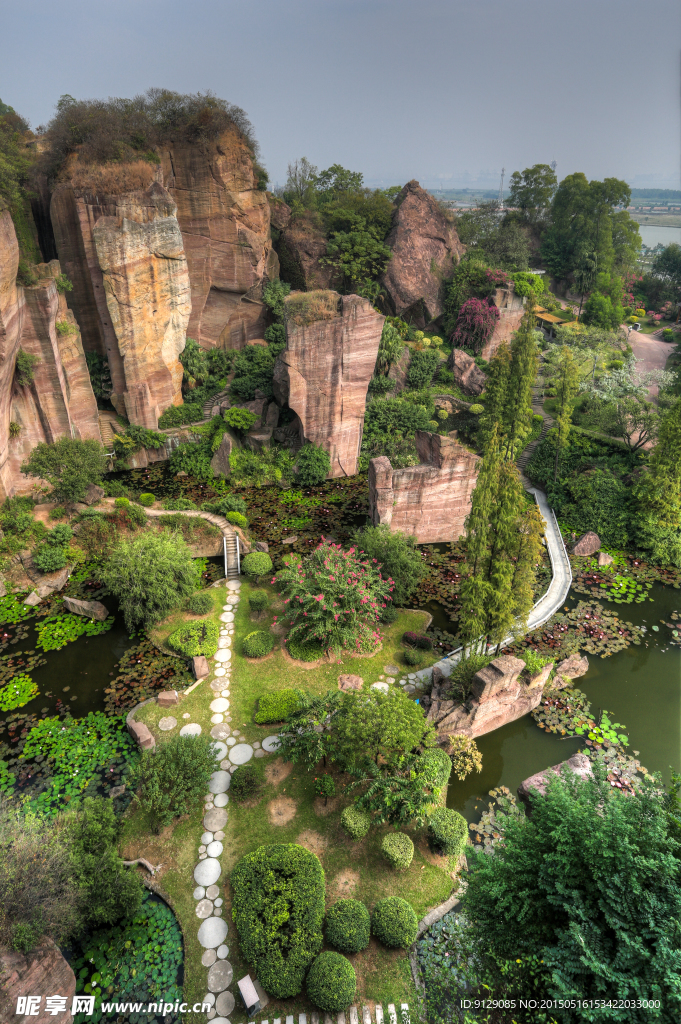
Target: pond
(641,686)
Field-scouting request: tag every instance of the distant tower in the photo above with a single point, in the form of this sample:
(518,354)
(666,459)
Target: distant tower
(553,166)
(500,200)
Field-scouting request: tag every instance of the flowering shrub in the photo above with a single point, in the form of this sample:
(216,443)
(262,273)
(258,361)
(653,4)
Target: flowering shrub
(497,277)
(335,598)
(475,324)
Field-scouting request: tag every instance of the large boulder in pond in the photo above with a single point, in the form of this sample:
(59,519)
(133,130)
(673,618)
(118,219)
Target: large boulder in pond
(588,544)
(90,609)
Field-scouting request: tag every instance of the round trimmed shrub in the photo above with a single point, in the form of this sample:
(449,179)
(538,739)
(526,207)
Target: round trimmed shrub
(412,657)
(146,500)
(331,982)
(49,558)
(307,651)
(195,638)
(436,767)
(121,502)
(355,822)
(247,781)
(257,601)
(398,850)
(236,519)
(200,603)
(433,426)
(278,706)
(447,832)
(257,644)
(348,926)
(258,563)
(394,922)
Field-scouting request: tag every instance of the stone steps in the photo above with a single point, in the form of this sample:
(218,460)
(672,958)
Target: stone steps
(394,1015)
(107,429)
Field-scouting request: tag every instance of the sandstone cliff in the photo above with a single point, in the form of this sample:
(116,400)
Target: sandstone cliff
(511,310)
(324,375)
(301,247)
(60,401)
(426,248)
(43,972)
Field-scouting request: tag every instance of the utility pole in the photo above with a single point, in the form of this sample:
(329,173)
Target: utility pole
(500,200)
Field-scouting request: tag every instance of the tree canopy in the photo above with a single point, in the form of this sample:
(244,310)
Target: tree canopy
(69,464)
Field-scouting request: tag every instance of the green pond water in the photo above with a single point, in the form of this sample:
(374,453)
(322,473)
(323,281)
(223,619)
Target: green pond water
(640,686)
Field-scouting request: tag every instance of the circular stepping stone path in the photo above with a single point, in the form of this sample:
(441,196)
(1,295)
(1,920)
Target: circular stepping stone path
(204,908)
(213,932)
(217,719)
(223,952)
(220,976)
(207,871)
(200,892)
(224,1003)
(391,670)
(233,584)
(241,753)
(221,800)
(216,686)
(166,724)
(209,998)
(219,671)
(230,741)
(227,617)
(260,753)
(214,849)
(270,744)
(219,782)
(208,959)
(215,820)
(219,704)
(207,837)
(223,655)
(213,891)
(220,732)
(224,643)
(220,749)
(193,729)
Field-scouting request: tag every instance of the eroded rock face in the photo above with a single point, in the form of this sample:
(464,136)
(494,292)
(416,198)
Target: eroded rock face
(588,544)
(301,247)
(511,311)
(426,248)
(431,500)
(536,785)
(324,375)
(467,373)
(60,401)
(44,971)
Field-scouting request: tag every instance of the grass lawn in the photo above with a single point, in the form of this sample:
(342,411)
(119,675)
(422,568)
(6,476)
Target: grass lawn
(287,810)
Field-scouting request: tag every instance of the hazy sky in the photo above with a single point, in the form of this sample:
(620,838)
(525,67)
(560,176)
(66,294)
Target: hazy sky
(399,89)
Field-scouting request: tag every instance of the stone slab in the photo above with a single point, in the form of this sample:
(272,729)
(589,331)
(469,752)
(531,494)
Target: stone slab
(167,723)
(207,871)
(241,753)
(203,909)
(225,1003)
(212,932)
(200,892)
(220,749)
(219,781)
(215,819)
(220,732)
(208,958)
(270,744)
(223,656)
(219,705)
(227,617)
(90,609)
(220,976)
(213,891)
(221,799)
(214,849)
(191,729)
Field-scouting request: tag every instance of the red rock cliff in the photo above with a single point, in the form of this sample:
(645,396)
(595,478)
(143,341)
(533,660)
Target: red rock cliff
(324,375)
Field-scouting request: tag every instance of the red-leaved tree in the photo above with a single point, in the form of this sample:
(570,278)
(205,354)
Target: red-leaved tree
(475,324)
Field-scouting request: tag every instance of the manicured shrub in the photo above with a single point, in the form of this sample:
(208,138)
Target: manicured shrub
(278,947)
(121,502)
(331,982)
(178,505)
(413,657)
(394,922)
(309,651)
(236,519)
(60,535)
(436,767)
(398,850)
(389,614)
(49,558)
(312,465)
(221,506)
(257,600)
(355,822)
(201,603)
(247,781)
(276,707)
(348,926)
(257,644)
(424,643)
(447,831)
(195,638)
(173,779)
(258,564)
(146,500)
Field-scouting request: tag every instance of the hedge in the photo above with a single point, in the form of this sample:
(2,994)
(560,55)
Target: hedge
(436,767)
(447,831)
(278,909)
(276,707)
(355,822)
(398,849)
(257,644)
(257,563)
(147,500)
(308,651)
(195,638)
(331,982)
(236,519)
(394,922)
(348,926)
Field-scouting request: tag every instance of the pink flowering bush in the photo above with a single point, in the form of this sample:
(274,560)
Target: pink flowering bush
(497,277)
(475,324)
(335,598)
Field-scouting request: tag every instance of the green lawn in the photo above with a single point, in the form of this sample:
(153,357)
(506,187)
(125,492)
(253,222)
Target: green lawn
(287,811)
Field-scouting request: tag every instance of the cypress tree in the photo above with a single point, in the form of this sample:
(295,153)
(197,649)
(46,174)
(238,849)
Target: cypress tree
(659,493)
(504,528)
(475,589)
(566,382)
(522,373)
(496,395)
(528,557)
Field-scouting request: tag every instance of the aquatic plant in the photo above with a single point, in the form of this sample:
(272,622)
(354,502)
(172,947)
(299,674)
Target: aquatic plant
(17,692)
(59,630)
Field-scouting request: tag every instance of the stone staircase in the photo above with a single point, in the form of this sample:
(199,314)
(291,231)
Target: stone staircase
(394,1016)
(108,426)
(214,402)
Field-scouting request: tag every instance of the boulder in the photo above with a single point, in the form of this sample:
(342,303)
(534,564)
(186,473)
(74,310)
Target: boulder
(536,785)
(290,540)
(350,682)
(91,609)
(93,494)
(272,417)
(280,212)
(167,698)
(220,461)
(140,732)
(3,588)
(43,972)
(200,667)
(500,674)
(258,439)
(467,373)
(425,248)
(588,544)
(573,667)
(540,678)
(604,558)
(32,600)
(262,545)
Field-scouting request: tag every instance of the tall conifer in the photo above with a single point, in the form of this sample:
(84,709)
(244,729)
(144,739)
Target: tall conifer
(522,373)
(496,395)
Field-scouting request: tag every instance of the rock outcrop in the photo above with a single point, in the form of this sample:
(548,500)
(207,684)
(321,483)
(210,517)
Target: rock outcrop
(511,310)
(90,609)
(42,972)
(536,785)
(467,373)
(59,401)
(324,374)
(426,248)
(431,500)
(301,247)
(588,544)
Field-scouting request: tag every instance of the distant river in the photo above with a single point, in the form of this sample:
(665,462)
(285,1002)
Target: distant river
(651,235)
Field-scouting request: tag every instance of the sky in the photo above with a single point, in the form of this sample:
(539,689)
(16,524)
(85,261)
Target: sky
(444,91)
